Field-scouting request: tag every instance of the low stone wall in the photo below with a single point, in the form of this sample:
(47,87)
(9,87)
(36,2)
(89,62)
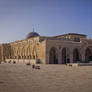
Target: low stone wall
(79,64)
(85,64)
(22,61)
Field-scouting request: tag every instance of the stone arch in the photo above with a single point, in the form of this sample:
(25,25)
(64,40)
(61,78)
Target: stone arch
(76,55)
(53,56)
(88,54)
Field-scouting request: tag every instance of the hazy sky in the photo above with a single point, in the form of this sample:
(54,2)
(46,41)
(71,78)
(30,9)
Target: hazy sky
(48,17)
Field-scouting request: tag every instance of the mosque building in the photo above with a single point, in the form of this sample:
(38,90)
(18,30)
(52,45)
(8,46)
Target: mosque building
(61,49)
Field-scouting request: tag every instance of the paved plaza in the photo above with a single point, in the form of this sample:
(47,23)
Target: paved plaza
(50,78)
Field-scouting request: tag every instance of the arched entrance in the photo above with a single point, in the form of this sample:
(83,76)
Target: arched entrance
(76,55)
(88,55)
(64,56)
(53,57)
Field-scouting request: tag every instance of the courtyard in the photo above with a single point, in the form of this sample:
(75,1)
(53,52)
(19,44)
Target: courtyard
(50,78)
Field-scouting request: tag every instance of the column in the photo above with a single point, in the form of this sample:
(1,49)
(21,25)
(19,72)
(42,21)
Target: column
(83,54)
(71,55)
(47,58)
(59,57)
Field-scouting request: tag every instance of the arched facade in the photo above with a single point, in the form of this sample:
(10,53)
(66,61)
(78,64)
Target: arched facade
(60,49)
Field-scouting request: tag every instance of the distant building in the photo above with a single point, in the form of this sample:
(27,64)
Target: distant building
(61,49)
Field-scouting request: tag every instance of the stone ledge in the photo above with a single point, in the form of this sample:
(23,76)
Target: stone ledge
(85,64)
(79,64)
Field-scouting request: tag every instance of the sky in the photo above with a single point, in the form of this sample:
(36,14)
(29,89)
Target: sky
(47,17)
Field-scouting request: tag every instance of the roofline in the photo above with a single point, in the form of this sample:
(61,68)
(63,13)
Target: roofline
(72,34)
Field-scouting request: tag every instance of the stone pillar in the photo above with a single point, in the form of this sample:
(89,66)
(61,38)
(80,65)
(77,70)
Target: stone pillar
(83,54)
(59,57)
(71,55)
(71,58)
(18,59)
(83,57)
(47,55)
(23,60)
(47,58)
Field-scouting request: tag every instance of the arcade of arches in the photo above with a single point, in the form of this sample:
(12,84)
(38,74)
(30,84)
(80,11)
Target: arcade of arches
(53,56)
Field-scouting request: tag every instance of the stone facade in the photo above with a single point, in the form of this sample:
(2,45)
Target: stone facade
(67,48)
